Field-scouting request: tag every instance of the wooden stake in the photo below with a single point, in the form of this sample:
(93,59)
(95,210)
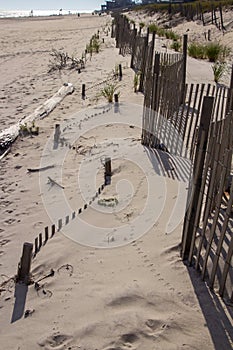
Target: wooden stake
(23,274)
(185,48)
(57,134)
(120,72)
(83,91)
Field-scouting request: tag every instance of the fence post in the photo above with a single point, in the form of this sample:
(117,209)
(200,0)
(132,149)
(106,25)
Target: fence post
(153,133)
(23,274)
(120,72)
(57,134)
(143,67)
(133,47)
(221,17)
(83,91)
(108,171)
(185,47)
(199,161)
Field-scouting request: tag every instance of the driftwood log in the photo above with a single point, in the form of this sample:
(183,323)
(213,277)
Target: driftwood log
(53,182)
(5,153)
(33,170)
(9,135)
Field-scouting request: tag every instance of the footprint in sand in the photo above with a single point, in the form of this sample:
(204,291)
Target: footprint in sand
(9,221)
(55,341)
(66,269)
(157,326)
(44,293)
(4,242)
(37,224)
(126,342)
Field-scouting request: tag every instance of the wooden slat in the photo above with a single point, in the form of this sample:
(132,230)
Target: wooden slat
(186,236)
(222,237)
(191,128)
(226,268)
(197,118)
(200,199)
(216,214)
(207,206)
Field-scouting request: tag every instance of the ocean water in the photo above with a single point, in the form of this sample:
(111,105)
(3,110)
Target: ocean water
(36,13)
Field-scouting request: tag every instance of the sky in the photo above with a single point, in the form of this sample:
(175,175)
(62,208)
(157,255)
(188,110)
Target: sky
(51,4)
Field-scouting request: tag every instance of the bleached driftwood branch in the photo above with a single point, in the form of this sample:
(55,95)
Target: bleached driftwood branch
(8,135)
(53,182)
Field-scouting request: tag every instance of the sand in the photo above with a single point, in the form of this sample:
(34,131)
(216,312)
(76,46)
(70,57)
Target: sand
(118,280)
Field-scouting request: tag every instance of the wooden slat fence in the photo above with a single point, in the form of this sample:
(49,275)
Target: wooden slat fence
(207,240)
(130,41)
(200,128)
(196,11)
(163,96)
(124,34)
(139,52)
(193,121)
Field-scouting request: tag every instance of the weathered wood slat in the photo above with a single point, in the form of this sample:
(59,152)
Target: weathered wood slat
(200,201)
(226,268)
(40,112)
(216,214)
(199,162)
(207,207)
(222,237)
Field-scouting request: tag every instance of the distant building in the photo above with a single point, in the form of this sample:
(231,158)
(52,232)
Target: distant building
(117,4)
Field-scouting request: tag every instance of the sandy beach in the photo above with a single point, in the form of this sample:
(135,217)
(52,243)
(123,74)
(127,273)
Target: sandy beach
(117,279)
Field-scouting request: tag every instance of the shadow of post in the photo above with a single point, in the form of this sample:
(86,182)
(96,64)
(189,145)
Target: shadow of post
(20,300)
(216,316)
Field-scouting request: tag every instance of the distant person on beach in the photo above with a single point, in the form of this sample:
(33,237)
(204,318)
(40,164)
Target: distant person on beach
(78,14)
